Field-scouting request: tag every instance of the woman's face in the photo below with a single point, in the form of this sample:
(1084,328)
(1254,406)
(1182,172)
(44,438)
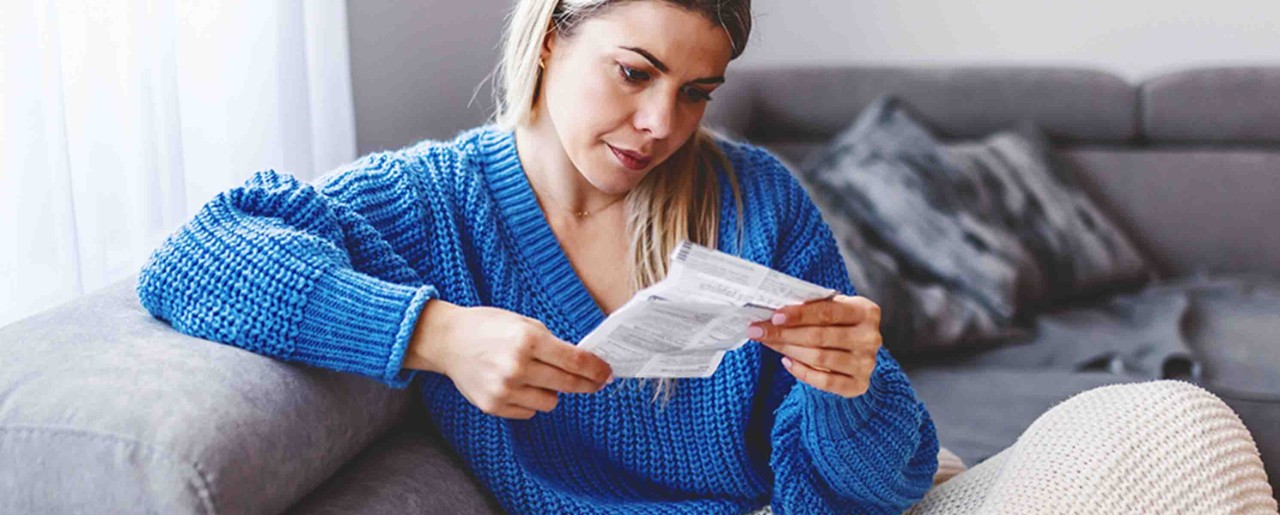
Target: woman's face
(634,80)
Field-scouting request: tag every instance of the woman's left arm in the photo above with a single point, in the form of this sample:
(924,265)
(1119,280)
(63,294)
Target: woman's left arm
(850,435)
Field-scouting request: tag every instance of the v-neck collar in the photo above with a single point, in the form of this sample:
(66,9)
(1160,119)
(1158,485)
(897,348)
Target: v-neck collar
(532,232)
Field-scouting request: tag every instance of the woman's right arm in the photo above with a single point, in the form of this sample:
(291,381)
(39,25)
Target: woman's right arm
(279,268)
(307,274)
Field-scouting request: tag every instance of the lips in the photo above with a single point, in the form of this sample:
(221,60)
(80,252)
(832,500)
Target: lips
(629,159)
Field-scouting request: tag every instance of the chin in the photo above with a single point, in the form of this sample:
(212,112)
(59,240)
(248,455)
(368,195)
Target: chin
(616,182)
(614,178)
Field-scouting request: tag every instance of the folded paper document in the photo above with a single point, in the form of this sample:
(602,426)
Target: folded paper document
(683,325)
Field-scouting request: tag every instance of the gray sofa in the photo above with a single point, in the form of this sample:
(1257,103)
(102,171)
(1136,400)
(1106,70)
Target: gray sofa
(1187,164)
(105,409)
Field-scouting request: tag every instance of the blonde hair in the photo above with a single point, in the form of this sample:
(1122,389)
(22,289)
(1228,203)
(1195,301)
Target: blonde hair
(680,198)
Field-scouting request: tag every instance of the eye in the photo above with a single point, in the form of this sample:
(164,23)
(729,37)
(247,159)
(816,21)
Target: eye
(632,74)
(697,95)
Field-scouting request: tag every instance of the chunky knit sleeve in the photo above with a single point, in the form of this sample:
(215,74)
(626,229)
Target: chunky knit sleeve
(875,453)
(297,272)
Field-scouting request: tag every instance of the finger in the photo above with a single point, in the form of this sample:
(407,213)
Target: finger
(533,398)
(831,336)
(839,310)
(838,361)
(838,384)
(557,353)
(549,377)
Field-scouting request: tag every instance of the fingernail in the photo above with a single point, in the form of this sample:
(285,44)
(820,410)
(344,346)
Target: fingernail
(755,331)
(786,362)
(610,381)
(779,319)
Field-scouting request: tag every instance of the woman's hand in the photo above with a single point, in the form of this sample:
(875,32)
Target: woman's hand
(504,363)
(829,344)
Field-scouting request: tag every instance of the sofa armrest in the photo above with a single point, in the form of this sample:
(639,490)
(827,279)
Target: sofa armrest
(103,407)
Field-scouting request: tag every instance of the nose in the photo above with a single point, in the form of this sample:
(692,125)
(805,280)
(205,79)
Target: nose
(656,115)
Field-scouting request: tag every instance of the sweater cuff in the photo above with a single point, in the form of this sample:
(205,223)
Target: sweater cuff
(834,418)
(361,324)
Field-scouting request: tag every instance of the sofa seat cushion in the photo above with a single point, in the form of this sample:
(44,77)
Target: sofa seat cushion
(980,412)
(410,470)
(1139,333)
(105,409)
(1218,331)
(1234,326)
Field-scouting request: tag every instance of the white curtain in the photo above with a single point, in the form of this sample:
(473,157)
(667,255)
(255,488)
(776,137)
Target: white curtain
(120,119)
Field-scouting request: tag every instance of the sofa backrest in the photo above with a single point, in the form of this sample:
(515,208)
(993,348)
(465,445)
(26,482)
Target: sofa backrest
(1188,162)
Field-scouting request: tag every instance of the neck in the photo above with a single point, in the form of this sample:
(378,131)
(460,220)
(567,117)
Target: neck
(553,175)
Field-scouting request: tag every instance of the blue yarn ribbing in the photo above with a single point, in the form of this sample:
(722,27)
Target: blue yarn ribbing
(334,274)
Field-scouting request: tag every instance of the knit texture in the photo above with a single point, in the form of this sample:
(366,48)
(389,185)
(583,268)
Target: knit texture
(1156,447)
(334,275)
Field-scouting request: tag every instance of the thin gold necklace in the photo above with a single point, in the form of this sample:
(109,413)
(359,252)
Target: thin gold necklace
(578,214)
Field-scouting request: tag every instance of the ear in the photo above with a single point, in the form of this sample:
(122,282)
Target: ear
(548,43)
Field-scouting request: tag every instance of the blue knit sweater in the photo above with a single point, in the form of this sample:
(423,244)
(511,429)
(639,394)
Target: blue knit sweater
(334,275)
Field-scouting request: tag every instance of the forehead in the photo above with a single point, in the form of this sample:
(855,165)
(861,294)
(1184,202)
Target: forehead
(686,41)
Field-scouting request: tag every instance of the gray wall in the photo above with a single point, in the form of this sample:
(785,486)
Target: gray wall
(416,63)
(1134,39)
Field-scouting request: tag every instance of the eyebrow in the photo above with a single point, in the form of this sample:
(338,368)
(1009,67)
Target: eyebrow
(663,68)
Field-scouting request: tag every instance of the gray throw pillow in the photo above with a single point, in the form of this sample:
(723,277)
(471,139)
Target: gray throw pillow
(1012,179)
(954,242)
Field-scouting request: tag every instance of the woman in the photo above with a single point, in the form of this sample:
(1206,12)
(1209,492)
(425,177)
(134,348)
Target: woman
(475,264)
